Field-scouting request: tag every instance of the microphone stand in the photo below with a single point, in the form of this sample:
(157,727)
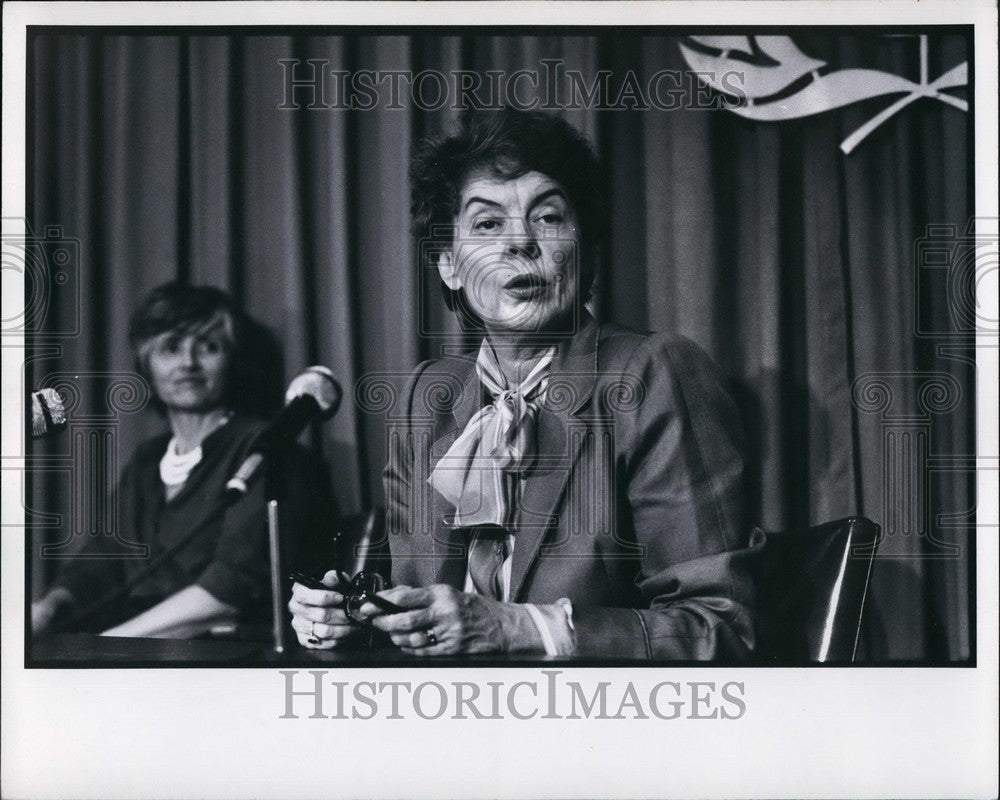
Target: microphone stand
(274,485)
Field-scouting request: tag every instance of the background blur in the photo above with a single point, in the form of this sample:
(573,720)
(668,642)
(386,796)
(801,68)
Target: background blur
(799,269)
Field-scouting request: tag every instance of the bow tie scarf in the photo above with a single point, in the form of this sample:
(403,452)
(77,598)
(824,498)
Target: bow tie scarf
(498,441)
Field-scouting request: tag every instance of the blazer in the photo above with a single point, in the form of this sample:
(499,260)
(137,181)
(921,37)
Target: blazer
(632,511)
(219,546)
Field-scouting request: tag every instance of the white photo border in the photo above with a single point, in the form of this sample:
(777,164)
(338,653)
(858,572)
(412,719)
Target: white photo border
(874,732)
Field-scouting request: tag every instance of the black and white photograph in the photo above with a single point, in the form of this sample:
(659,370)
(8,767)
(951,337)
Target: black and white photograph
(380,376)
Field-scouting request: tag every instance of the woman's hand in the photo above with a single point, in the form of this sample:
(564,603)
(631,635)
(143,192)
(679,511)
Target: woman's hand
(317,614)
(440,620)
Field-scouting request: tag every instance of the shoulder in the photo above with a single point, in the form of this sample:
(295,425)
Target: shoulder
(655,376)
(636,351)
(144,462)
(243,426)
(233,440)
(437,383)
(149,450)
(445,367)
(659,371)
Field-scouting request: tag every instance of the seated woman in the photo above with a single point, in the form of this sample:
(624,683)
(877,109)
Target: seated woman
(572,487)
(202,560)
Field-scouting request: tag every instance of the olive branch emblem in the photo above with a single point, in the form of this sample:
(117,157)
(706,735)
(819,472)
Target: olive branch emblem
(824,92)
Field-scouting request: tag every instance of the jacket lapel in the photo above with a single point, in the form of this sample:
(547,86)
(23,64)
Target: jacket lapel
(450,544)
(571,384)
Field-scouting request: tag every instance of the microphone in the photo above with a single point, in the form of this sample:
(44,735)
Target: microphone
(48,414)
(314,394)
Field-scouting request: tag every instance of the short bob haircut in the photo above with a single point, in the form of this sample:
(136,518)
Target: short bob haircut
(183,309)
(505,143)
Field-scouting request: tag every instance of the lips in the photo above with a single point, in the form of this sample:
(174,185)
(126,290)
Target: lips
(525,286)
(525,281)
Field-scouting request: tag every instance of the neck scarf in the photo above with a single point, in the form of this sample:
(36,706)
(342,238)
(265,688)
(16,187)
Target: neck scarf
(499,440)
(174,467)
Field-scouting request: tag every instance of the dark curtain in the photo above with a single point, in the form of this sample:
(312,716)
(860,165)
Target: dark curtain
(793,265)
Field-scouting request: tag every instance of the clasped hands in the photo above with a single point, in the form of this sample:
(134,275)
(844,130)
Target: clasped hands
(438,619)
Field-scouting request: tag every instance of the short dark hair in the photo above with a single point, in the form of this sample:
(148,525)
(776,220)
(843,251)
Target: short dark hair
(180,308)
(183,309)
(506,143)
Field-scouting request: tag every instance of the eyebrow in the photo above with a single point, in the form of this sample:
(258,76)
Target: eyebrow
(553,192)
(482,200)
(537,201)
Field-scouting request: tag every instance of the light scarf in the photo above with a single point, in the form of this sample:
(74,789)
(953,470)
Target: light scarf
(174,467)
(499,440)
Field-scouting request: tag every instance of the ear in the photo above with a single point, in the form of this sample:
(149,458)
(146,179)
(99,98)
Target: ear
(449,276)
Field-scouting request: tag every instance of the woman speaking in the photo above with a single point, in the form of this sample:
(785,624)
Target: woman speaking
(571,488)
(202,560)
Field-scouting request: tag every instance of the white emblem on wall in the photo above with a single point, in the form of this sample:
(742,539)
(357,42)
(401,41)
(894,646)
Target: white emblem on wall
(824,92)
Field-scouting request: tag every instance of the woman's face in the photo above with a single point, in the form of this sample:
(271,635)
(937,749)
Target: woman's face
(189,370)
(516,253)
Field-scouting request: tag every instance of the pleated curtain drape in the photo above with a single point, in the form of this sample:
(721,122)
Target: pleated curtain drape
(169,155)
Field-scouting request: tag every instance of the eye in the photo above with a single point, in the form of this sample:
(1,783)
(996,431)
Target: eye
(210,347)
(486,225)
(550,218)
(171,345)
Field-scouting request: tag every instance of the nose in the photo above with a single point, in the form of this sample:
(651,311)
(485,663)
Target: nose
(523,244)
(189,354)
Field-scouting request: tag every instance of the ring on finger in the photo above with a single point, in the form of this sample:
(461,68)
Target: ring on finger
(432,638)
(313,638)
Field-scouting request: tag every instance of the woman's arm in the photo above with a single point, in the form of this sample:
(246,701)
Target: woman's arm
(187,613)
(46,608)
